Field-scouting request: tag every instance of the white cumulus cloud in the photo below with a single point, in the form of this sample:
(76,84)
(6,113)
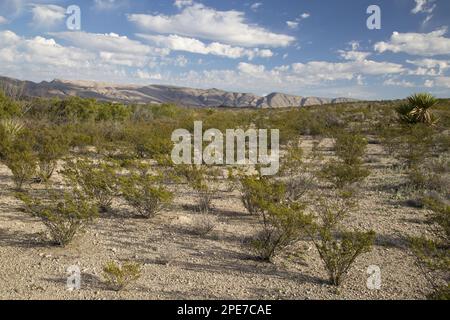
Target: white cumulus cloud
(440,82)
(183,3)
(47,15)
(107,59)
(398,83)
(107,42)
(178,43)
(145,75)
(199,21)
(330,71)
(424,44)
(251,69)
(429,67)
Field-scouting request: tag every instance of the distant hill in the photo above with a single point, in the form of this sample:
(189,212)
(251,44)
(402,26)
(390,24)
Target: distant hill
(159,94)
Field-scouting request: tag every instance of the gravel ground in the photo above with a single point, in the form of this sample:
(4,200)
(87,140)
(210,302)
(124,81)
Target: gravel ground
(177,264)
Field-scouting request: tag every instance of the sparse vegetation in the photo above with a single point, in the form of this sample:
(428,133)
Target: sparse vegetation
(116,158)
(119,276)
(50,146)
(281,226)
(202,181)
(433,254)
(98,180)
(282,222)
(338,248)
(64,214)
(349,169)
(18,156)
(145,193)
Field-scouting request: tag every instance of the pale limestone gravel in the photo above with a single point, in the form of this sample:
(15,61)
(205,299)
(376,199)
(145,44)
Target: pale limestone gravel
(180,265)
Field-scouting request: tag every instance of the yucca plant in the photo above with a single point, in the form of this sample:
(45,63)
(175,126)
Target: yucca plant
(12,127)
(417,109)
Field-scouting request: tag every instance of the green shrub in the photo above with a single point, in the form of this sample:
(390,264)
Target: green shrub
(298,179)
(78,138)
(389,136)
(151,141)
(339,255)
(350,148)
(281,221)
(348,169)
(433,259)
(414,144)
(112,112)
(342,175)
(281,226)
(203,181)
(51,144)
(257,192)
(431,176)
(8,107)
(97,180)
(337,248)
(63,214)
(22,165)
(145,193)
(72,109)
(119,276)
(17,154)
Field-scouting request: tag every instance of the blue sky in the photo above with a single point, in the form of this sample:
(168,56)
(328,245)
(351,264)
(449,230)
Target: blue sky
(303,47)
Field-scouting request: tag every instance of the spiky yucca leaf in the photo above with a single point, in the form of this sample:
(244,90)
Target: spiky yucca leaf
(417,110)
(404,113)
(12,127)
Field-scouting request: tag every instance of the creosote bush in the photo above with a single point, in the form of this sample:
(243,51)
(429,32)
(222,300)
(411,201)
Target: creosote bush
(348,169)
(413,145)
(282,222)
(64,214)
(350,148)
(17,154)
(202,180)
(51,144)
(98,180)
(8,107)
(119,276)
(342,175)
(338,248)
(296,173)
(257,192)
(145,193)
(433,253)
(281,226)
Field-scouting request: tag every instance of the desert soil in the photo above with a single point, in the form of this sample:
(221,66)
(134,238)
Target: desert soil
(177,264)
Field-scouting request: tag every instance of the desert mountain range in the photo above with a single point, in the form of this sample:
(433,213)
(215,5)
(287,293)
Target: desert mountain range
(159,94)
